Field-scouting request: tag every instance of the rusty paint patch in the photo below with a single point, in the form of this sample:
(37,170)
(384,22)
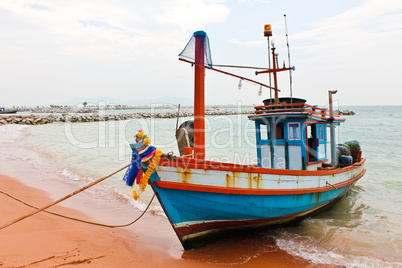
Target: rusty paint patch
(300,179)
(318,197)
(250,180)
(332,179)
(186,175)
(257,180)
(236,177)
(229,180)
(236,174)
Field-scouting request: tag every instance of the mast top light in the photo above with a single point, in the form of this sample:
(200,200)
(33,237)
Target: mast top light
(267,30)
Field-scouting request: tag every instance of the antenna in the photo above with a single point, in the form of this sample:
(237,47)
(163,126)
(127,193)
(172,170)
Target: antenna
(290,71)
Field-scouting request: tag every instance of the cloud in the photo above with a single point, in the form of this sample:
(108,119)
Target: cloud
(79,47)
(67,18)
(257,1)
(193,14)
(355,51)
(101,30)
(356,29)
(122,26)
(255,43)
(38,7)
(98,23)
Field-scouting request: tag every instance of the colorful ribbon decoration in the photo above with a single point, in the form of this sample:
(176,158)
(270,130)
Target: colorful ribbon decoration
(140,155)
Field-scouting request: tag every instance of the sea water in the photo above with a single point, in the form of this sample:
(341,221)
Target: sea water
(362,230)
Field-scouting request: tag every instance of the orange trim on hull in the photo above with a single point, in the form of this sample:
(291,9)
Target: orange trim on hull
(243,191)
(316,162)
(181,162)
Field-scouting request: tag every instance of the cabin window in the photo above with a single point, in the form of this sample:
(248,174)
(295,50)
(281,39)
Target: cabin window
(279,133)
(264,132)
(321,133)
(309,131)
(312,146)
(294,131)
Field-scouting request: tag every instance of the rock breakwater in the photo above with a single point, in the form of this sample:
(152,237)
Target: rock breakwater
(79,118)
(346,112)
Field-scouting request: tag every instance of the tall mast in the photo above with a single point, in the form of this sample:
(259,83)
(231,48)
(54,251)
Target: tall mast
(275,68)
(267,34)
(199,96)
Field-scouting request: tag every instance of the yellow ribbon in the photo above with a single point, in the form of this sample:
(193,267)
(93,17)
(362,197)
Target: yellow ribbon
(144,180)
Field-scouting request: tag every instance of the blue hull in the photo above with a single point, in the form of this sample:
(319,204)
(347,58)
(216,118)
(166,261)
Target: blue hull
(197,217)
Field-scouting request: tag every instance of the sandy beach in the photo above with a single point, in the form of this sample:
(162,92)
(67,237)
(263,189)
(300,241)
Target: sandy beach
(45,240)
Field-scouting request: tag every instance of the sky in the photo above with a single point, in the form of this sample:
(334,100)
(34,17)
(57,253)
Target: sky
(55,51)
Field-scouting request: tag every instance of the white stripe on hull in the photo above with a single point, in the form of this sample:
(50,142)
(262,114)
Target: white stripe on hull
(247,180)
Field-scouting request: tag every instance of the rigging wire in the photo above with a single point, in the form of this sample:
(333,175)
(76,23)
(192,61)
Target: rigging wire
(237,66)
(227,73)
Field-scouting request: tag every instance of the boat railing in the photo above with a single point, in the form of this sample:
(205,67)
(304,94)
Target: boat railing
(294,107)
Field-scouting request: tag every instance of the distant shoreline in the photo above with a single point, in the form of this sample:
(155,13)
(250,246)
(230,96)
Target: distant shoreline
(77,114)
(96,117)
(96,108)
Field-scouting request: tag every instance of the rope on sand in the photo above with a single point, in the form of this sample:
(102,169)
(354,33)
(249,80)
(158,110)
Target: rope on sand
(80,220)
(66,197)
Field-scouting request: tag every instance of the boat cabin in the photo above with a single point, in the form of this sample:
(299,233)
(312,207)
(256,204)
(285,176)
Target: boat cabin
(292,134)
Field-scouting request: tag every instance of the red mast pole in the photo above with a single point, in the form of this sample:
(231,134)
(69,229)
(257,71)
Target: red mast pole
(274,71)
(199,99)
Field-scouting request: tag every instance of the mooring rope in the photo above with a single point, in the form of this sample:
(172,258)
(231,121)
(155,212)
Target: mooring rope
(68,196)
(80,220)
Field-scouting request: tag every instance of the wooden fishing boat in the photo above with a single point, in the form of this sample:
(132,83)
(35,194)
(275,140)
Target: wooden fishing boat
(294,177)
(4,111)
